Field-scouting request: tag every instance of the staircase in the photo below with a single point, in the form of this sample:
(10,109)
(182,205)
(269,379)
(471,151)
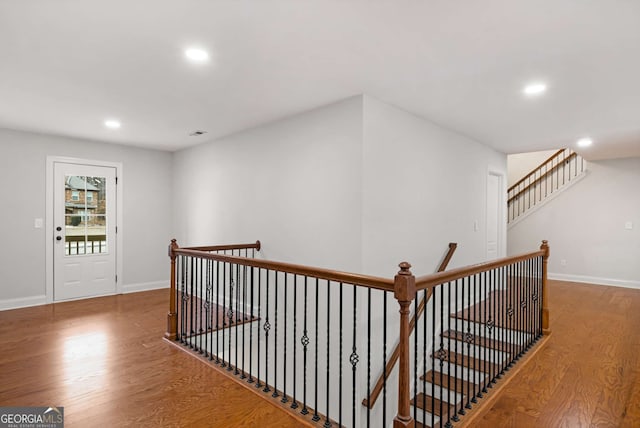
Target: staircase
(477,346)
(543,183)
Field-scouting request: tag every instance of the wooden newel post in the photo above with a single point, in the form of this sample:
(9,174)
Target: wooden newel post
(172,317)
(545,300)
(404,292)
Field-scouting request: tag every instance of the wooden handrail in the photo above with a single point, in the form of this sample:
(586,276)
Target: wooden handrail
(256,246)
(542,177)
(378,283)
(533,171)
(377,388)
(433,280)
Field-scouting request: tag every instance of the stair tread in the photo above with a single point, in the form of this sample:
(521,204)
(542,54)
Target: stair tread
(444,380)
(484,342)
(496,307)
(467,361)
(441,408)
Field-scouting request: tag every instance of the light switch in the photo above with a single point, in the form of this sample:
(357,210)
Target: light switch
(37,223)
(628,225)
(475,226)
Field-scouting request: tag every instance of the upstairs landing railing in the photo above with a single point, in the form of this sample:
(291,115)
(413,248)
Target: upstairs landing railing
(547,179)
(310,338)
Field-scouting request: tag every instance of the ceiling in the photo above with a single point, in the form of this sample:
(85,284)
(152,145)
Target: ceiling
(67,65)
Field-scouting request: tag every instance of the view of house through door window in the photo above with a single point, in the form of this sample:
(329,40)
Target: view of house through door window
(84,235)
(85,215)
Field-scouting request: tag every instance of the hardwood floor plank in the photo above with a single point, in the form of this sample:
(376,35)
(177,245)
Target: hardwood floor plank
(105,361)
(587,373)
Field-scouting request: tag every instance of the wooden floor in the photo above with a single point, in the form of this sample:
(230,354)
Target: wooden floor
(104,360)
(587,374)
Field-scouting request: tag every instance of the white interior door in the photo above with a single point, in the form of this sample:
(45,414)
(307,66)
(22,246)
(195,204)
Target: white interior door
(494,216)
(84,248)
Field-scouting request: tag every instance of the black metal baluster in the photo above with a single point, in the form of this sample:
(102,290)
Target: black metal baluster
(415,355)
(266,328)
(232,286)
(519,311)
(327,424)
(530,302)
(275,339)
(183,300)
(305,342)
(353,359)
(198,279)
(251,320)
(224,314)
(455,384)
(217,266)
(511,314)
(477,374)
(469,339)
(340,360)
(503,324)
(294,404)
(442,353)
(455,357)
(433,357)
(243,268)
(494,331)
(207,315)
(258,381)
(486,319)
(384,358)
(191,304)
(284,359)
(424,355)
(316,417)
(237,316)
(368,355)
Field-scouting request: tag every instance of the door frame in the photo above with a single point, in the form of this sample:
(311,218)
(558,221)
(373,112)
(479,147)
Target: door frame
(49,226)
(502,212)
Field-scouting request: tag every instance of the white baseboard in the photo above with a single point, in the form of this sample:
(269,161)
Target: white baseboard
(144,286)
(595,280)
(22,302)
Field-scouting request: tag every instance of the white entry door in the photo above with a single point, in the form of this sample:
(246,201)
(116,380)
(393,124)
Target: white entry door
(84,246)
(494,216)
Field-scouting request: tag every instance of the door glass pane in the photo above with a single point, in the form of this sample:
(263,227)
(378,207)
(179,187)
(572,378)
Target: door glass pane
(85,219)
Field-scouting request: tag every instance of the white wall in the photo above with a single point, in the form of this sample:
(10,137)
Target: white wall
(294,184)
(585,226)
(358,185)
(423,187)
(147,213)
(521,164)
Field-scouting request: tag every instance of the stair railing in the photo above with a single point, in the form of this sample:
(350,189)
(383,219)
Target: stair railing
(377,389)
(480,321)
(308,337)
(552,175)
(304,336)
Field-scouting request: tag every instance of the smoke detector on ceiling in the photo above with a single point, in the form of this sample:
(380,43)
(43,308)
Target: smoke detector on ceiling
(197,133)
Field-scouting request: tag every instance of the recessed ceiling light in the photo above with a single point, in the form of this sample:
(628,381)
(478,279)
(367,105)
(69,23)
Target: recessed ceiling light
(196,54)
(584,142)
(112,124)
(534,89)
